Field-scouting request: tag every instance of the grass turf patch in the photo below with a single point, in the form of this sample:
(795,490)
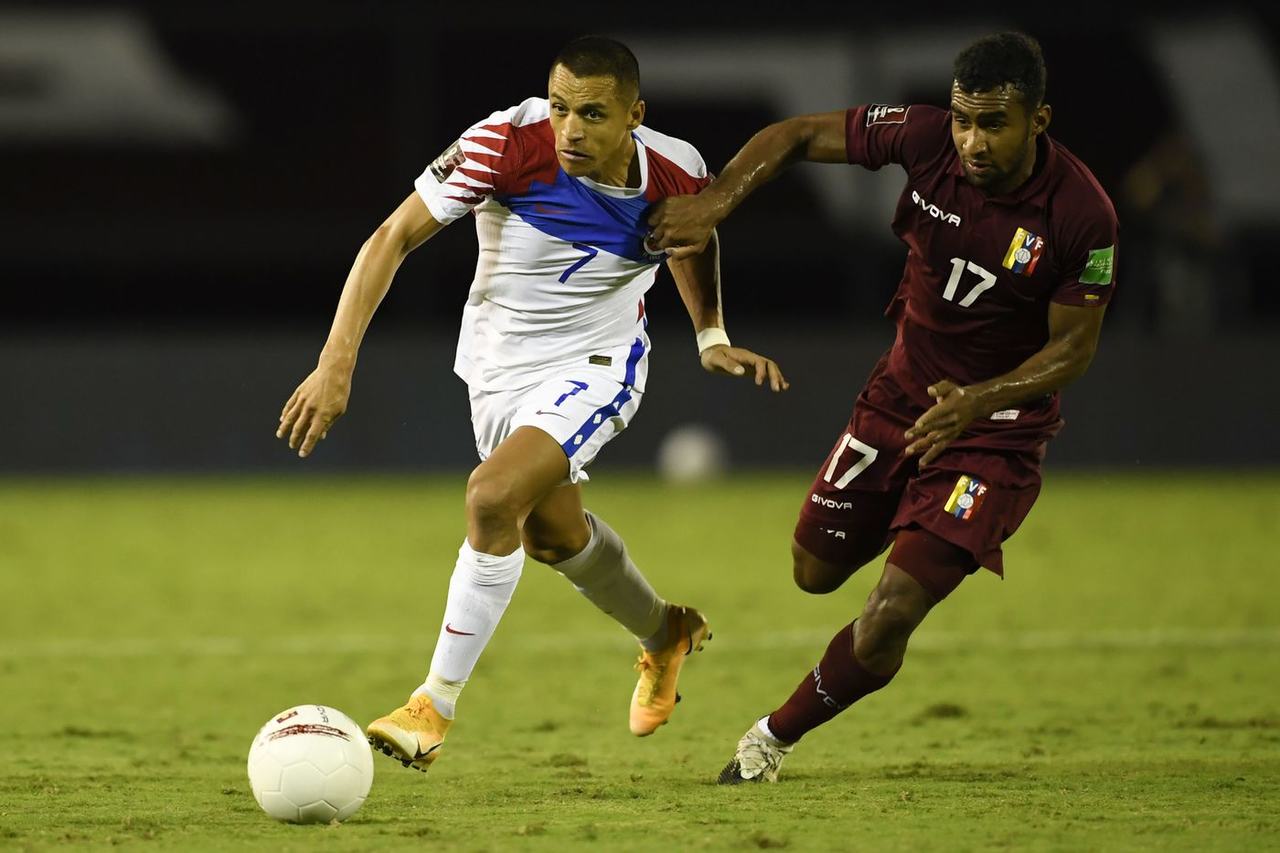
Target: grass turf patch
(1117,690)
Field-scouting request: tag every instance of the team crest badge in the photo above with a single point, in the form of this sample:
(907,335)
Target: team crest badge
(1024,252)
(966,497)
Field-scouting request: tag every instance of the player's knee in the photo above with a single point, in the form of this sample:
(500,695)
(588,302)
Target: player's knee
(895,608)
(490,497)
(814,575)
(551,547)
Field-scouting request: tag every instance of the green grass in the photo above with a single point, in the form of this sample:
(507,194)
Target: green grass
(1120,690)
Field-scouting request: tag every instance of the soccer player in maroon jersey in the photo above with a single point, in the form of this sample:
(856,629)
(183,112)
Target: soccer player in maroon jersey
(1010,263)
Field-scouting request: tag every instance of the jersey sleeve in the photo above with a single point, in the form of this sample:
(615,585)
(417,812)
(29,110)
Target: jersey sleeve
(908,135)
(1088,265)
(675,166)
(480,164)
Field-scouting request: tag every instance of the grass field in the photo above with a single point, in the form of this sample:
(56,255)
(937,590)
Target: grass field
(1120,690)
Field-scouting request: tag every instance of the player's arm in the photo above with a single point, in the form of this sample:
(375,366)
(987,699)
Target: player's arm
(683,224)
(698,280)
(322,397)
(1073,340)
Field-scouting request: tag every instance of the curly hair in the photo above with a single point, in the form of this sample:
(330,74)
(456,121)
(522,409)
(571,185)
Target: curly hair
(1003,59)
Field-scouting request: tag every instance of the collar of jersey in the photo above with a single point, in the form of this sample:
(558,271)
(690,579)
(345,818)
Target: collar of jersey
(625,192)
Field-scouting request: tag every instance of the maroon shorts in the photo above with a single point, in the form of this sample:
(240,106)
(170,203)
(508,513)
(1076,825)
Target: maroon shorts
(973,495)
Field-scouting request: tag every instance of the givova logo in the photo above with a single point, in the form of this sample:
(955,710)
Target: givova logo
(935,211)
(829,503)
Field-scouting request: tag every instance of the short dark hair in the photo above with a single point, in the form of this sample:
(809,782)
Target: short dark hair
(1003,59)
(597,56)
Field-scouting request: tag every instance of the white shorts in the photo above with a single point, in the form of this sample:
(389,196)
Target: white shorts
(582,409)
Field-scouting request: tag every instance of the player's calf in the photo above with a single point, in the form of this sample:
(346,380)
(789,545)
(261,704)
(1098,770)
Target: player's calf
(922,569)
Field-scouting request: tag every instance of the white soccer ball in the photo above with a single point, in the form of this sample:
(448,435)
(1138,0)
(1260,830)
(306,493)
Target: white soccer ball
(310,764)
(692,453)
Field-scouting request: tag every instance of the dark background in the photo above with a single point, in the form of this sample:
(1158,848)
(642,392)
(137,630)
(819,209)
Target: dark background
(183,188)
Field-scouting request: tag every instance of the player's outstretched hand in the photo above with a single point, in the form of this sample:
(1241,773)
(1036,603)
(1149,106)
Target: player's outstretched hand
(954,410)
(736,361)
(680,225)
(319,401)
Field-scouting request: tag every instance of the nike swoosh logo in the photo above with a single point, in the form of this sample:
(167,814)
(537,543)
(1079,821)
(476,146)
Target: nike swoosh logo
(418,755)
(548,209)
(450,629)
(557,414)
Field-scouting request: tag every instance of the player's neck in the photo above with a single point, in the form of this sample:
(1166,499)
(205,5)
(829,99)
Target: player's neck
(623,170)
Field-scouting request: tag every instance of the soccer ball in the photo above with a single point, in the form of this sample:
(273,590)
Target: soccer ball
(692,453)
(310,764)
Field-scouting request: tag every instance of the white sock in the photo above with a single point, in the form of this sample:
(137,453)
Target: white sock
(604,573)
(479,592)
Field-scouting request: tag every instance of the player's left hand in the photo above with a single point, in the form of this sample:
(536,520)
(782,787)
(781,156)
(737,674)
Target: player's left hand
(954,410)
(736,361)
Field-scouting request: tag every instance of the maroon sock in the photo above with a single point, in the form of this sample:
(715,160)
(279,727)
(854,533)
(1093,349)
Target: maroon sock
(835,683)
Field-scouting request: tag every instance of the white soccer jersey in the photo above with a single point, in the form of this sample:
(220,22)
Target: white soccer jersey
(562,270)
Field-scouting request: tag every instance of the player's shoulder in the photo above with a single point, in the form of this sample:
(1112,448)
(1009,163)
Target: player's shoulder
(528,112)
(1078,193)
(912,118)
(676,151)
(675,167)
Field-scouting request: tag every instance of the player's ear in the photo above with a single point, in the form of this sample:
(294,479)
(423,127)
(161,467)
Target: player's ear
(1040,119)
(636,117)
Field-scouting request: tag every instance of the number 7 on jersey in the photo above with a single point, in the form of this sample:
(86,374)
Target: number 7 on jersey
(591,251)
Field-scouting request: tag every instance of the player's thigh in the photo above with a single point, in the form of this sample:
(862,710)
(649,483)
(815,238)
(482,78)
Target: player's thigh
(846,516)
(521,471)
(973,498)
(556,528)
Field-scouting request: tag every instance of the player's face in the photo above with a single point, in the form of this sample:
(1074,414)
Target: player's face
(592,119)
(995,134)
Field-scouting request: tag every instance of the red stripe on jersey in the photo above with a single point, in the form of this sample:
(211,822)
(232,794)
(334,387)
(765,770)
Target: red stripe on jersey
(485,178)
(668,179)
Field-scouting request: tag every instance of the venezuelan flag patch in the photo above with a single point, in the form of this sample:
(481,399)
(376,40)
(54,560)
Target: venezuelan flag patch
(966,497)
(1024,252)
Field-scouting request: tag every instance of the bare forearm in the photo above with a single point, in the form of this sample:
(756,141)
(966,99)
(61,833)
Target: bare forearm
(367,283)
(1051,369)
(765,155)
(698,280)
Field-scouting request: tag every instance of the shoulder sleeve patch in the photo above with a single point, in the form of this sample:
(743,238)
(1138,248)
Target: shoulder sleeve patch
(1099,267)
(886,114)
(452,157)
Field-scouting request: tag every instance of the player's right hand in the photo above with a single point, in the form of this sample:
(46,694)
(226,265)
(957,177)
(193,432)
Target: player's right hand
(681,225)
(319,401)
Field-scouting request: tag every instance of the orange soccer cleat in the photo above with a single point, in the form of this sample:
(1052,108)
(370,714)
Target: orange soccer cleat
(413,734)
(655,696)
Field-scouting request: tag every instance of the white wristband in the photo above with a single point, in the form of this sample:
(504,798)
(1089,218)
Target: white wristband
(712,337)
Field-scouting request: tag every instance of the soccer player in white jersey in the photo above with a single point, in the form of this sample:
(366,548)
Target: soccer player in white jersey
(554,352)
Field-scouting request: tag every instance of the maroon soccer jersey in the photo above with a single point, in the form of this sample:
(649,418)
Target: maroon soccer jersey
(982,269)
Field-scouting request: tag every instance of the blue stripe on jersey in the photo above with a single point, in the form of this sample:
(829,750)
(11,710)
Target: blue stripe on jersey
(571,211)
(601,414)
(633,358)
